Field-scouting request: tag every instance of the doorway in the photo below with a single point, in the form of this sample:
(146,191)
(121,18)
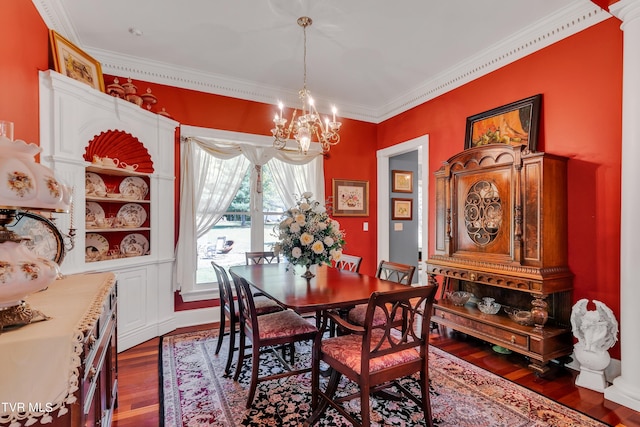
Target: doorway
(421,146)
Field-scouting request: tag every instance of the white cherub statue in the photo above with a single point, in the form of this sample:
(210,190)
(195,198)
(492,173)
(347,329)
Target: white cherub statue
(597,332)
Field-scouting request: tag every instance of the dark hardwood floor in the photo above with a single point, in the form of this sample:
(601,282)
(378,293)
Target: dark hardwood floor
(139,401)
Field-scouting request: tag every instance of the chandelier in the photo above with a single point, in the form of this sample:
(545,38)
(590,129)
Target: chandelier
(308,124)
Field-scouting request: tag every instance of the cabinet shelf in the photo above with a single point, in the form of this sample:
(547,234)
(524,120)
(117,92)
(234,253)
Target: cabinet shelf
(114,171)
(115,200)
(116,230)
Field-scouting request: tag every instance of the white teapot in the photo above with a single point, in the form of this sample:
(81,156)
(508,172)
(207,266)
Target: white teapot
(110,163)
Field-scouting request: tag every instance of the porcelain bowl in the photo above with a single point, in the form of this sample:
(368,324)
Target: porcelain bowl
(459,297)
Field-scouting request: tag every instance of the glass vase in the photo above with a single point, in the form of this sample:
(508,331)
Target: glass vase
(308,274)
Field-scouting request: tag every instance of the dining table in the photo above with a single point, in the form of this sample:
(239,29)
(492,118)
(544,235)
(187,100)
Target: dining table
(331,288)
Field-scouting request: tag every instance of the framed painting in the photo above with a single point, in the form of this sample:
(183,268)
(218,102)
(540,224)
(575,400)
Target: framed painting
(514,124)
(70,60)
(402,209)
(402,181)
(350,198)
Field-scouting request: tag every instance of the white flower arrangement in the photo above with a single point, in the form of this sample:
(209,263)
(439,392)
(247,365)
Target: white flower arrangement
(307,235)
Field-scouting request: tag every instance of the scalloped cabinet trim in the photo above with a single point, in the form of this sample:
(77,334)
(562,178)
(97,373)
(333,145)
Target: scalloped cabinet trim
(78,122)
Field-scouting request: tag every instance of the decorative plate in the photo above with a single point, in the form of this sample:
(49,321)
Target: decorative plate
(94,185)
(96,245)
(134,188)
(132,215)
(46,240)
(134,245)
(93,213)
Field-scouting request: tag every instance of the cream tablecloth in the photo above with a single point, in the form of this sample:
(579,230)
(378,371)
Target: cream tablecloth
(39,362)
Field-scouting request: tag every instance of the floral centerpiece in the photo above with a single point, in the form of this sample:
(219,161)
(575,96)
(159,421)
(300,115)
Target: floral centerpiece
(308,236)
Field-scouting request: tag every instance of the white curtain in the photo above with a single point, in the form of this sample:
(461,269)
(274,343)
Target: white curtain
(212,171)
(294,179)
(211,176)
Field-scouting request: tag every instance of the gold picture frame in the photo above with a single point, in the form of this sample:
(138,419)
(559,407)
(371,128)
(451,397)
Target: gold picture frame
(402,209)
(350,198)
(402,181)
(514,124)
(70,60)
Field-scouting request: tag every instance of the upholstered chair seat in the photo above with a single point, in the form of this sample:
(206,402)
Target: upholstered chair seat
(395,272)
(283,324)
(347,349)
(265,305)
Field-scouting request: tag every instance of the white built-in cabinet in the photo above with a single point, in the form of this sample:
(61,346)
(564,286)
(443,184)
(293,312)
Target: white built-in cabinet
(77,123)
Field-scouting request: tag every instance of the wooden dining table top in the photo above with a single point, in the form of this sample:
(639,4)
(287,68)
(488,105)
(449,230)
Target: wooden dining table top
(331,288)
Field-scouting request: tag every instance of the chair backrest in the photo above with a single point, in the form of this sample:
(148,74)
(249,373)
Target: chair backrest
(226,292)
(268,257)
(414,306)
(246,305)
(395,272)
(349,262)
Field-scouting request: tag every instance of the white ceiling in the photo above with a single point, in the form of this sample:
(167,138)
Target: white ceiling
(371,58)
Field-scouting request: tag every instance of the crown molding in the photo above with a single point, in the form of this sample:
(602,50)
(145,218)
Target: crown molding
(574,18)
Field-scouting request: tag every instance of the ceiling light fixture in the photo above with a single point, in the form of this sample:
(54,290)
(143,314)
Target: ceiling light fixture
(309,123)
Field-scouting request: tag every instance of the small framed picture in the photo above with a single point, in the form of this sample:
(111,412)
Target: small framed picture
(402,181)
(402,209)
(350,198)
(71,61)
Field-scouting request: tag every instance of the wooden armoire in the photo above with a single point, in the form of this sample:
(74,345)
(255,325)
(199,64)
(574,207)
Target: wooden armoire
(501,232)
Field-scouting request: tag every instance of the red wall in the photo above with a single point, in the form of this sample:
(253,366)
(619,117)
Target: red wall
(23,51)
(580,79)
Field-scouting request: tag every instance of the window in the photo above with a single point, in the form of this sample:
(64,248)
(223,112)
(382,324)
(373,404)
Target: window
(238,231)
(222,172)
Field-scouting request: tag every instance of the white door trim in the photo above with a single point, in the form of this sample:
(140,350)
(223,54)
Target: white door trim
(422,145)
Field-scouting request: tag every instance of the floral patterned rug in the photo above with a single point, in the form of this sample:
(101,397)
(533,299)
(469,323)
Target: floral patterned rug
(195,393)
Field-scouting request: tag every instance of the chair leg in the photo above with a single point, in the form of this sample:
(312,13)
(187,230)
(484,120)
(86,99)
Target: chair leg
(332,386)
(255,367)
(221,332)
(242,346)
(426,400)
(232,344)
(365,407)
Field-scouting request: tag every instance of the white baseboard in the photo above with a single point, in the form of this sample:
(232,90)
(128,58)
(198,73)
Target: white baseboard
(200,316)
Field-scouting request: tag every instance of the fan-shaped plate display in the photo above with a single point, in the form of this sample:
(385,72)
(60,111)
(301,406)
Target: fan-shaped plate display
(121,145)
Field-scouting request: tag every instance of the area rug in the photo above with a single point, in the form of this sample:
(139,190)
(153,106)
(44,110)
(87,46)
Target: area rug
(195,393)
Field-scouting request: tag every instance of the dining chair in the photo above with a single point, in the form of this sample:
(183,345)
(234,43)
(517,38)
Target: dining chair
(346,263)
(376,354)
(284,328)
(349,263)
(393,271)
(229,311)
(268,257)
